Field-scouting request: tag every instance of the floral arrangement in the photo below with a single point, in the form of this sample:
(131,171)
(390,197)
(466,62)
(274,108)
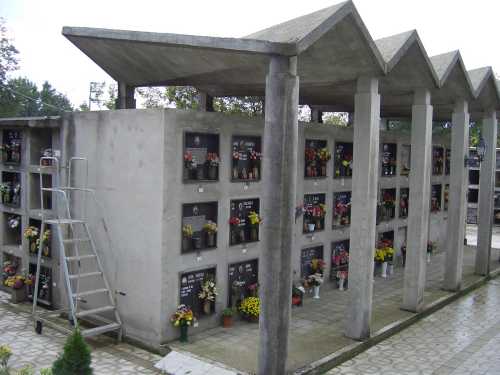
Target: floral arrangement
(311,154)
(254,218)
(15,282)
(227,312)
(379,255)
(13,221)
(389,253)
(254,156)
(188,160)
(210,227)
(388,200)
(4,188)
(250,306)
(234,221)
(324,155)
(183,316)
(208,291)
(213,159)
(319,210)
(187,230)
(5,354)
(318,265)
(31,233)
(346,162)
(9,268)
(236,155)
(316,279)
(46,237)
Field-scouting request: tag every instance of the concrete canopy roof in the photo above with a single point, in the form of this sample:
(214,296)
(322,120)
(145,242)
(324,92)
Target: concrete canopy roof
(333,47)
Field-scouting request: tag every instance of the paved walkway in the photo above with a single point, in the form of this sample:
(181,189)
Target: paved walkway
(462,338)
(317,327)
(40,351)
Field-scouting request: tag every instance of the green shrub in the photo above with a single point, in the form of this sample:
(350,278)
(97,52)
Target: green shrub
(75,359)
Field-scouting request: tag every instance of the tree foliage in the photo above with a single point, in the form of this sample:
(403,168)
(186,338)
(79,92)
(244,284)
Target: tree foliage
(76,358)
(8,53)
(20,97)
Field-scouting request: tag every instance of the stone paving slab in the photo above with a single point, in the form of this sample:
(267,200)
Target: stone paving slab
(40,351)
(461,338)
(176,363)
(317,327)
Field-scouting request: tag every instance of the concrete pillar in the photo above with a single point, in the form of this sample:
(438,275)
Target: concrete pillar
(418,215)
(457,197)
(206,102)
(279,176)
(125,98)
(316,115)
(363,209)
(486,186)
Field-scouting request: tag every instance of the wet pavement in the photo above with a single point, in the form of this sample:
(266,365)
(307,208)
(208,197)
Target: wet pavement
(462,338)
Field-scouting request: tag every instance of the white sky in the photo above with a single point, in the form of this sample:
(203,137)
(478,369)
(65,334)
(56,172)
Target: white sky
(35,25)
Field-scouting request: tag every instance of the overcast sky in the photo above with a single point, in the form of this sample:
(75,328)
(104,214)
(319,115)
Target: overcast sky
(35,25)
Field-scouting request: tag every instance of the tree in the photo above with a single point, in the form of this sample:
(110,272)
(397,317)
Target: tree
(76,358)
(8,53)
(52,102)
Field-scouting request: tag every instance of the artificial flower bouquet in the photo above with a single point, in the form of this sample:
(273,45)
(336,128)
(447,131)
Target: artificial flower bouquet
(250,308)
(183,316)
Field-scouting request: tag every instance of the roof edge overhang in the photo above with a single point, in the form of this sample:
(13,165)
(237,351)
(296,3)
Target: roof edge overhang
(488,75)
(347,9)
(251,46)
(456,60)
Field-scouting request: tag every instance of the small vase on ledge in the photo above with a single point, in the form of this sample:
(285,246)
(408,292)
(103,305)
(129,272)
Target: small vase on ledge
(341,283)
(384,270)
(316,291)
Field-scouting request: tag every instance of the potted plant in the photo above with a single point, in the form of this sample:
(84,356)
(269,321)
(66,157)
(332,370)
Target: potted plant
(297,295)
(235,230)
(31,234)
(212,165)
(254,220)
(380,260)
(250,309)
(210,229)
(315,279)
(16,282)
(187,237)
(310,156)
(207,295)
(324,156)
(255,158)
(5,191)
(183,318)
(227,317)
(189,166)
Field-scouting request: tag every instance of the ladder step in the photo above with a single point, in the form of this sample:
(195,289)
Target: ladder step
(80,257)
(75,240)
(102,329)
(82,275)
(94,311)
(89,292)
(64,221)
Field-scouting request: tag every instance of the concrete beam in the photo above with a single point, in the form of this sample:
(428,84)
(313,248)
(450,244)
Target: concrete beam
(125,98)
(486,186)
(280,158)
(418,215)
(457,202)
(363,209)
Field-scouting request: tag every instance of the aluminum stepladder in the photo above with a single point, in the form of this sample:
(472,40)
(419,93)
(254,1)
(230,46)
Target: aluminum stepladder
(77,252)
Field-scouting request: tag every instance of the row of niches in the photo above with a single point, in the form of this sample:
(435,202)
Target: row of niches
(20,281)
(200,222)
(242,280)
(202,158)
(11,190)
(13,142)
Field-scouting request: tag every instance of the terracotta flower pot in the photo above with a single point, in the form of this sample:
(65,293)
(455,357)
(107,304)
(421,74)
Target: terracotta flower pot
(227,321)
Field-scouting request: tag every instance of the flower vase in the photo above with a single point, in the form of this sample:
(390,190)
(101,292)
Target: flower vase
(255,173)
(254,234)
(310,227)
(184,333)
(318,224)
(390,269)
(33,248)
(212,173)
(18,295)
(323,170)
(384,270)
(210,239)
(341,283)
(316,291)
(185,173)
(428,257)
(236,174)
(242,235)
(46,251)
(197,243)
(234,237)
(200,172)
(207,307)
(186,243)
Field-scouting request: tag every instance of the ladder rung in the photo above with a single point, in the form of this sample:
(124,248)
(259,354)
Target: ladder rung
(64,221)
(74,240)
(82,275)
(89,292)
(80,257)
(101,329)
(97,310)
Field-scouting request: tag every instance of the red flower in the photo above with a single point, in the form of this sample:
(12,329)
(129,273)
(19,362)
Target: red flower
(188,156)
(234,221)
